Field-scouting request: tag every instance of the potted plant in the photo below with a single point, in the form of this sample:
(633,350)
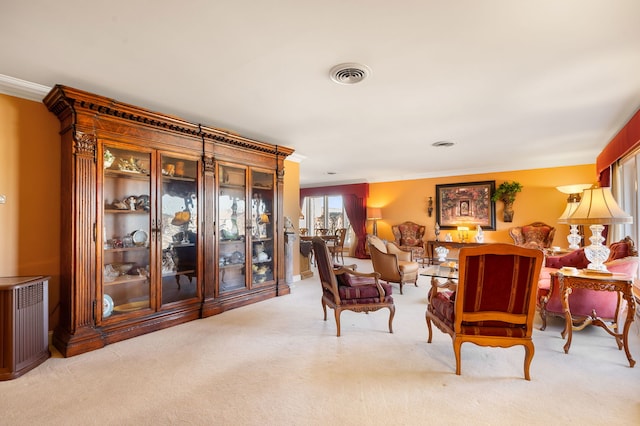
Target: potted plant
(506,193)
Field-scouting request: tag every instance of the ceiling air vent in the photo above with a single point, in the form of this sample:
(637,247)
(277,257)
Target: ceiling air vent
(349,73)
(442,144)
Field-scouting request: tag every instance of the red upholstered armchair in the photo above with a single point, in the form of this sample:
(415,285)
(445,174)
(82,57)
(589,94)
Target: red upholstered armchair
(408,236)
(535,235)
(582,302)
(494,301)
(344,289)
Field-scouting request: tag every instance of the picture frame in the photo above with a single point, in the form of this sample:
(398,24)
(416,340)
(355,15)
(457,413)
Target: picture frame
(466,204)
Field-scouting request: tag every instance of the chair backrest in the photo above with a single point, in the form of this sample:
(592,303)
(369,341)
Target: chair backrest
(377,243)
(341,234)
(325,266)
(322,231)
(384,263)
(497,288)
(408,234)
(536,234)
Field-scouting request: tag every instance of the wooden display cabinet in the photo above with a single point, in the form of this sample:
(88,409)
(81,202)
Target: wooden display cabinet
(159,222)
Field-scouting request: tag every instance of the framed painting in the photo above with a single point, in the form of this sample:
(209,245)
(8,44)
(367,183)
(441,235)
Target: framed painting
(466,204)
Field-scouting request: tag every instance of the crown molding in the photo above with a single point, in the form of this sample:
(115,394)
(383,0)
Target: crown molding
(22,89)
(296,158)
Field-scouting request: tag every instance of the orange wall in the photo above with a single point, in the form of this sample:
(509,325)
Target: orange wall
(538,201)
(292,204)
(30,179)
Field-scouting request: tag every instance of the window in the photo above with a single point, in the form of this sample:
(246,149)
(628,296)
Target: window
(627,194)
(324,212)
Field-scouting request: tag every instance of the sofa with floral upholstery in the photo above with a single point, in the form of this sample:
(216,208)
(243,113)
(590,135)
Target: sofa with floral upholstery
(582,302)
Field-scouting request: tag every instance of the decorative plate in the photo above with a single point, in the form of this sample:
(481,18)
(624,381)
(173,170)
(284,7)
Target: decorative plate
(107,305)
(133,306)
(140,238)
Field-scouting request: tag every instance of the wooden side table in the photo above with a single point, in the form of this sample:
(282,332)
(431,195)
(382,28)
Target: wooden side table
(621,283)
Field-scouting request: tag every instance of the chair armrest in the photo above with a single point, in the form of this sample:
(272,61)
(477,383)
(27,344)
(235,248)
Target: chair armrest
(352,267)
(435,286)
(347,270)
(387,265)
(373,275)
(401,254)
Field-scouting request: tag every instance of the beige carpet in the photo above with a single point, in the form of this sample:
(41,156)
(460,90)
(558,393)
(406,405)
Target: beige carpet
(278,363)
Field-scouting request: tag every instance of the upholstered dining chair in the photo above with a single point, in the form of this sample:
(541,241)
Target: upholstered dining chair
(336,247)
(494,301)
(392,263)
(534,235)
(345,289)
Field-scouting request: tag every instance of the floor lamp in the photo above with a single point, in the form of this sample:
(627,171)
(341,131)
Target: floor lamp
(374,214)
(598,208)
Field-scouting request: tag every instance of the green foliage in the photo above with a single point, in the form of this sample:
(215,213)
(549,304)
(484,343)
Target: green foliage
(507,191)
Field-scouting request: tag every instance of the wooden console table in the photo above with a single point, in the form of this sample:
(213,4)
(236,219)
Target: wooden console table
(623,284)
(431,247)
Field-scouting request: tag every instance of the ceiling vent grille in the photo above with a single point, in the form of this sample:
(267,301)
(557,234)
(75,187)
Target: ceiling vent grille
(442,144)
(349,73)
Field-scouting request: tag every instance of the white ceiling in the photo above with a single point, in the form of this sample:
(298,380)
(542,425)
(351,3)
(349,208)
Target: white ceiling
(515,84)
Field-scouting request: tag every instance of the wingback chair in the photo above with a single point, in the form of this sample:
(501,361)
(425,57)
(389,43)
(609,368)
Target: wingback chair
(494,301)
(535,235)
(392,263)
(408,236)
(584,303)
(344,289)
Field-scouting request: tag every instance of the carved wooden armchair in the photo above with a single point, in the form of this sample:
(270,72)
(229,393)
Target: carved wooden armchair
(408,236)
(344,289)
(392,263)
(535,235)
(493,303)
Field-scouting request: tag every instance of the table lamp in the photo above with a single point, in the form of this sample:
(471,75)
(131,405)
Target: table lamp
(597,208)
(374,214)
(574,238)
(463,233)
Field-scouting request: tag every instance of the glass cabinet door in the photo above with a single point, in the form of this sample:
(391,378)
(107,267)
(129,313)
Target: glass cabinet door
(262,227)
(178,195)
(126,226)
(231,228)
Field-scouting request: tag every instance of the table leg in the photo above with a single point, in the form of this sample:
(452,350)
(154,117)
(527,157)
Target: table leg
(568,322)
(631,312)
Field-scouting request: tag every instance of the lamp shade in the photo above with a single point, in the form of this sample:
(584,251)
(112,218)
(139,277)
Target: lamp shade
(374,213)
(568,211)
(574,189)
(598,207)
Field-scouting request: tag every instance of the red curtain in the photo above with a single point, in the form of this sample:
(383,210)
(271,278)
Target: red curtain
(627,139)
(354,198)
